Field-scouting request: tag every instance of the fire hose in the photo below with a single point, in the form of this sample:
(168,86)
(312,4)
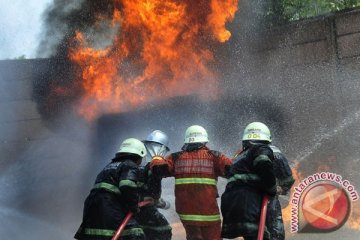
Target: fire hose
(264,205)
(127,218)
(162,204)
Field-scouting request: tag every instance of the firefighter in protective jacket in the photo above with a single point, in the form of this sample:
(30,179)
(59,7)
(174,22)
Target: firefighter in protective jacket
(153,223)
(251,176)
(196,169)
(114,194)
(285,180)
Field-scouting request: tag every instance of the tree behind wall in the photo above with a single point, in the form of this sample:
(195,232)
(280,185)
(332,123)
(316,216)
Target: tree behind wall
(284,11)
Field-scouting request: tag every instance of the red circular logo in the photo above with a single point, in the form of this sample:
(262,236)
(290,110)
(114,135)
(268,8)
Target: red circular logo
(326,206)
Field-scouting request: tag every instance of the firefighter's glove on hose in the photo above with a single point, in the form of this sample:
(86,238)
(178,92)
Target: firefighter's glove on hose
(148,201)
(151,201)
(161,203)
(158,166)
(134,209)
(279,190)
(157,161)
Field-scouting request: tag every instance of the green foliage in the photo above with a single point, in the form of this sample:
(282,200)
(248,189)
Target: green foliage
(281,11)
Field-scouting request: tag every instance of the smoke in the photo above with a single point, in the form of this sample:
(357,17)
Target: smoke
(63,18)
(126,48)
(43,166)
(57,88)
(43,185)
(20,27)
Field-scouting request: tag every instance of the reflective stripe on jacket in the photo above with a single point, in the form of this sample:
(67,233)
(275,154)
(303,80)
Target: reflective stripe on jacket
(114,194)
(251,176)
(245,178)
(196,174)
(109,187)
(207,181)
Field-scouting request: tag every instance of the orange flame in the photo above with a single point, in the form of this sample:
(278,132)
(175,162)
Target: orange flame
(161,48)
(354,220)
(286,212)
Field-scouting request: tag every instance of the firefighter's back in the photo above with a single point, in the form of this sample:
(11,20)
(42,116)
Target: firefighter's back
(195,186)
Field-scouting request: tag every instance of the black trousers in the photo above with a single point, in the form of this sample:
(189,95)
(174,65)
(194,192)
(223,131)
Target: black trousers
(154,224)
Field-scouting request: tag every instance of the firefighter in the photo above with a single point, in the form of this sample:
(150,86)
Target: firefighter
(153,223)
(196,169)
(114,194)
(285,180)
(251,176)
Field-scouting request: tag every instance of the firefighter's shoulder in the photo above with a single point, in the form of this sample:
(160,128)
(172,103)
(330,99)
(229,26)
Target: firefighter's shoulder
(215,153)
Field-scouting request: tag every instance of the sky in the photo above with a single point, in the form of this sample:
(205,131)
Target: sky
(20,27)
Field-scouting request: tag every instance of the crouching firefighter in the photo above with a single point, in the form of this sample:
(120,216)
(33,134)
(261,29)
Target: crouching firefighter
(153,223)
(251,176)
(114,194)
(285,180)
(196,169)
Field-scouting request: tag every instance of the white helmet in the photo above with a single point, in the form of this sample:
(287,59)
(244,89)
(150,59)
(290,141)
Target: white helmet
(196,134)
(257,131)
(134,146)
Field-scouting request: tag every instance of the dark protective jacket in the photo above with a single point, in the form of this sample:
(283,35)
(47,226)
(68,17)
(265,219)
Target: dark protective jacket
(282,170)
(114,194)
(250,177)
(150,183)
(285,180)
(196,172)
(153,223)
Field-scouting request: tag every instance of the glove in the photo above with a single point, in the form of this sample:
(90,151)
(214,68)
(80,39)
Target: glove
(159,166)
(135,209)
(157,161)
(151,201)
(161,203)
(279,190)
(160,171)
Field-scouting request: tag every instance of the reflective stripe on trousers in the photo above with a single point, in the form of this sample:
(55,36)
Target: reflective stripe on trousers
(160,228)
(109,233)
(200,218)
(208,181)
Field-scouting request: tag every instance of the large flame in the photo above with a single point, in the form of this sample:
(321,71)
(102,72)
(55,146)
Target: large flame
(160,48)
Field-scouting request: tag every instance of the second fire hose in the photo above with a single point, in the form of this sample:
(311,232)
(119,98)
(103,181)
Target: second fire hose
(264,205)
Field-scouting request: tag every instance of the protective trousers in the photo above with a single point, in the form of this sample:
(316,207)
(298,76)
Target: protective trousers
(274,221)
(154,224)
(211,232)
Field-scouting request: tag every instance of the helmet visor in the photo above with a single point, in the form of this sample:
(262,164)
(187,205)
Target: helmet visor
(156,149)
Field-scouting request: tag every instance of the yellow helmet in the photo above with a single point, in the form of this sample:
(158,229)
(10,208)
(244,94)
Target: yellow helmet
(134,146)
(257,131)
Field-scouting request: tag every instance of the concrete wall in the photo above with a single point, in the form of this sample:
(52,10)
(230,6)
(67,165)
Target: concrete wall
(311,69)
(20,122)
(41,169)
